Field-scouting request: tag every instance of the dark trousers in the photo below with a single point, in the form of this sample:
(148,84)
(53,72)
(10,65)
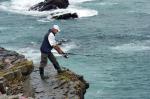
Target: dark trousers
(51,57)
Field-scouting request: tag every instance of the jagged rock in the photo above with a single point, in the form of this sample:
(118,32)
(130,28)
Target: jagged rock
(75,84)
(14,69)
(19,96)
(50,4)
(2,86)
(15,78)
(66,16)
(9,75)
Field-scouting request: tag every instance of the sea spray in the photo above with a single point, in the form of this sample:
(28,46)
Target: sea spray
(22,6)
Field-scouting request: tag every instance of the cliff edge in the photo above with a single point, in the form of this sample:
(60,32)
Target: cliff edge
(17,78)
(15,70)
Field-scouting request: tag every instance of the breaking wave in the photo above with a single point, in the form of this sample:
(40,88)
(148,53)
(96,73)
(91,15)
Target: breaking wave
(106,3)
(33,53)
(78,1)
(66,47)
(133,47)
(22,6)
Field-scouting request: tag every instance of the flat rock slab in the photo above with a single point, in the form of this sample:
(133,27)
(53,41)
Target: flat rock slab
(45,89)
(58,86)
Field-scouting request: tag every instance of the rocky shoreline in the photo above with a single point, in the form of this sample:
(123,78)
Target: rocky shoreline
(18,79)
(48,5)
(14,71)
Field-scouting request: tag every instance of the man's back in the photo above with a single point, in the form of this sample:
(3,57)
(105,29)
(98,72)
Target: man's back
(46,47)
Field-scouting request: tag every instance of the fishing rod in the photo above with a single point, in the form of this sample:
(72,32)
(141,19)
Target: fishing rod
(88,55)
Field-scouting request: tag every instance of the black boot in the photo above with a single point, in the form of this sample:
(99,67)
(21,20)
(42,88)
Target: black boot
(59,71)
(41,69)
(57,67)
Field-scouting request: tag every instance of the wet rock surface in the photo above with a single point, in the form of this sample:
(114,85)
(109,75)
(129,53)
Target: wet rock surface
(66,85)
(14,71)
(18,79)
(9,58)
(65,16)
(50,4)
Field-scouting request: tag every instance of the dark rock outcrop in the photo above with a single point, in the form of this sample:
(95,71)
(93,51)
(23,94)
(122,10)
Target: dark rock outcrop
(50,4)
(66,16)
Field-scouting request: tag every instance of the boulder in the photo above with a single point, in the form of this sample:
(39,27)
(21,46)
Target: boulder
(50,4)
(55,4)
(65,16)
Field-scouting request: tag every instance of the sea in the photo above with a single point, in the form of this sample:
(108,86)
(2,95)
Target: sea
(109,44)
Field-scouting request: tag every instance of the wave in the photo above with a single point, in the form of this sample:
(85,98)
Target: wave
(83,12)
(3,28)
(19,4)
(66,47)
(72,9)
(33,53)
(133,47)
(107,3)
(22,6)
(30,53)
(146,13)
(78,1)
(43,20)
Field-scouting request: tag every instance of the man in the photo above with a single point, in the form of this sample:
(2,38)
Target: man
(48,44)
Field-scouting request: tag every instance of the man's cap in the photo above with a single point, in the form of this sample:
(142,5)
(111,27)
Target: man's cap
(56,27)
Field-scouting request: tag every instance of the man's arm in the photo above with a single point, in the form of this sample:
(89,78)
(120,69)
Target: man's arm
(58,49)
(53,43)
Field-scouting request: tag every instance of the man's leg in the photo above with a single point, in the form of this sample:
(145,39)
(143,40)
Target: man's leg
(43,63)
(54,62)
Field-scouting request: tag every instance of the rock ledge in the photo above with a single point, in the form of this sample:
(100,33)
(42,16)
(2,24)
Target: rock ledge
(18,79)
(14,71)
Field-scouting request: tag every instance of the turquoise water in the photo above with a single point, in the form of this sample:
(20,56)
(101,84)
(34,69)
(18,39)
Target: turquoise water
(111,40)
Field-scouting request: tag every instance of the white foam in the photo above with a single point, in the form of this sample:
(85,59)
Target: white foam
(78,1)
(43,20)
(22,6)
(66,47)
(106,3)
(3,28)
(132,47)
(26,12)
(72,9)
(32,53)
(82,12)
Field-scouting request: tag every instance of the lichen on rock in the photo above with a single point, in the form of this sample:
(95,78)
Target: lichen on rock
(14,69)
(16,73)
(77,81)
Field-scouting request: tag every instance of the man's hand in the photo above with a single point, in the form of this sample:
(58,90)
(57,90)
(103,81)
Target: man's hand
(58,49)
(65,55)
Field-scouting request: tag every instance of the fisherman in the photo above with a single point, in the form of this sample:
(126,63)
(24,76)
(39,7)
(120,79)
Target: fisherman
(48,44)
